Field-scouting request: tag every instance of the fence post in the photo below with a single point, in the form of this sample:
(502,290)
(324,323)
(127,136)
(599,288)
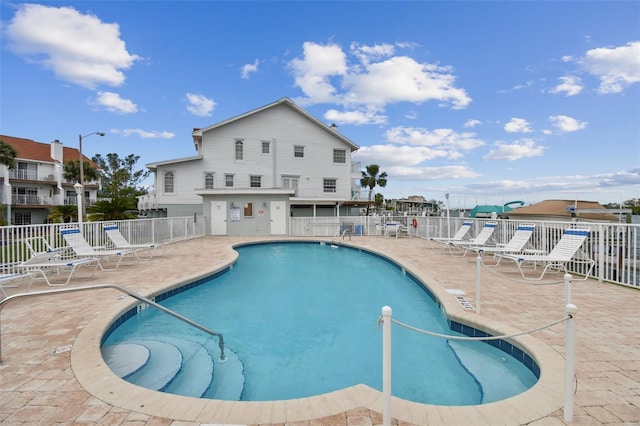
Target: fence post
(386,366)
(478,283)
(570,362)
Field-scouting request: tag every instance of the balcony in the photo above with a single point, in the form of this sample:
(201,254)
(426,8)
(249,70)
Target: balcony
(28,200)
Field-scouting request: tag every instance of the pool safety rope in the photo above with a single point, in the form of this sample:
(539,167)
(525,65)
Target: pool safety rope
(570,354)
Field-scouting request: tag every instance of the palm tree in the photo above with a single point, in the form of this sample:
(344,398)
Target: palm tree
(370,179)
(115,209)
(8,155)
(63,213)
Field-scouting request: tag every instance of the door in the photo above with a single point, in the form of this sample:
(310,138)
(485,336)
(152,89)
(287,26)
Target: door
(218,218)
(278,218)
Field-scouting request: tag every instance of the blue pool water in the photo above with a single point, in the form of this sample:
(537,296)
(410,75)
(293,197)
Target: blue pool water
(302,320)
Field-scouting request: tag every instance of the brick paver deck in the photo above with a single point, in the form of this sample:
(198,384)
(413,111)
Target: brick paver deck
(38,386)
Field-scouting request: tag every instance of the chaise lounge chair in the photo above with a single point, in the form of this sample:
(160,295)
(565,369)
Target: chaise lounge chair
(83,249)
(41,264)
(121,243)
(563,253)
(480,239)
(516,244)
(14,280)
(459,235)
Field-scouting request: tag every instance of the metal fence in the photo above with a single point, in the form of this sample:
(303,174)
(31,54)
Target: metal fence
(615,247)
(14,248)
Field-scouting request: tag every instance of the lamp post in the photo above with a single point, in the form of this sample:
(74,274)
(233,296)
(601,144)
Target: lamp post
(81,193)
(448,222)
(79,190)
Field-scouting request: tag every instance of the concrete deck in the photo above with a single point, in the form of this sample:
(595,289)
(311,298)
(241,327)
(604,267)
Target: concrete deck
(42,382)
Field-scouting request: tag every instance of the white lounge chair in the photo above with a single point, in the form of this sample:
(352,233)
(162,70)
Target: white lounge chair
(394,228)
(459,235)
(14,280)
(516,244)
(563,253)
(483,236)
(41,264)
(83,249)
(121,243)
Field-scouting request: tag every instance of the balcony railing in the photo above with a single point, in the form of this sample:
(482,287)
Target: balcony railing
(23,174)
(27,200)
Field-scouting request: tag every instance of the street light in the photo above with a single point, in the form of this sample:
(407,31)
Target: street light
(81,193)
(79,190)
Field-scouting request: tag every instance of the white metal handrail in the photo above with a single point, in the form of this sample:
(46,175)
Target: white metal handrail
(125,290)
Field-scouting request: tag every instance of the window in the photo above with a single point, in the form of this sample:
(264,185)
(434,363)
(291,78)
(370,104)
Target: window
(208,180)
(22,218)
(228,181)
(290,182)
(266,147)
(169,183)
(298,151)
(339,156)
(255,181)
(239,150)
(248,210)
(329,185)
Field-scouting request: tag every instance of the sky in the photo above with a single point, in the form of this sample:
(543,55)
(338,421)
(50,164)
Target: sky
(487,101)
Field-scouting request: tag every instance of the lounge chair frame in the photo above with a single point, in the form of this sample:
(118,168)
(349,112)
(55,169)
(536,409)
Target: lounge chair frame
(121,243)
(83,249)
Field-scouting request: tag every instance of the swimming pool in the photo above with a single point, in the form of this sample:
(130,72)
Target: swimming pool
(338,293)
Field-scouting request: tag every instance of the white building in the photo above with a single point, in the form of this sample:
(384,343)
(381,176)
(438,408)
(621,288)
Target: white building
(36,184)
(251,172)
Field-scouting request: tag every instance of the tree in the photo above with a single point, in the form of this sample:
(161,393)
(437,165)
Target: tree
(72,171)
(119,179)
(379,200)
(371,178)
(63,213)
(8,155)
(115,209)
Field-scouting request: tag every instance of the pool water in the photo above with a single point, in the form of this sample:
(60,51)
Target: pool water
(302,319)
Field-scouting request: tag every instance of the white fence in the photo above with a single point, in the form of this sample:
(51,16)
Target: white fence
(13,247)
(615,247)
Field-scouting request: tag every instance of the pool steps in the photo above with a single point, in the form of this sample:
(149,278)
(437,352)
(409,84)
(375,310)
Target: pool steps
(177,366)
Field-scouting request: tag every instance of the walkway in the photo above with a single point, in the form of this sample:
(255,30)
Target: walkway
(42,382)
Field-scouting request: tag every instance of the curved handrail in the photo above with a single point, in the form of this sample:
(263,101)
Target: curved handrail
(122,289)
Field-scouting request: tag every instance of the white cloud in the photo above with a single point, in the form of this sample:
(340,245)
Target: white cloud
(616,67)
(313,72)
(114,103)
(200,105)
(374,79)
(565,123)
(145,134)
(398,155)
(472,123)
(569,85)
(443,138)
(431,173)
(517,125)
(248,69)
(78,48)
(515,151)
(355,117)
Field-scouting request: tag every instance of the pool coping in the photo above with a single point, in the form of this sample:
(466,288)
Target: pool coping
(541,400)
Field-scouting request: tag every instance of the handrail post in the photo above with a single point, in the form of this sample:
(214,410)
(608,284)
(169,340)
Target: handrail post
(567,288)
(570,362)
(386,366)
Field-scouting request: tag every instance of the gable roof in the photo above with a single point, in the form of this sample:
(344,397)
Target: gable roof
(197,133)
(561,209)
(37,151)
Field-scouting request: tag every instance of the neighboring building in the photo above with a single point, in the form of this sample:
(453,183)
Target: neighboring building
(251,172)
(564,210)
(36,184)
(415,205)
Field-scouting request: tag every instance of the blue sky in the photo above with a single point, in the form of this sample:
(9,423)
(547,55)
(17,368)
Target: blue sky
(488,101)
